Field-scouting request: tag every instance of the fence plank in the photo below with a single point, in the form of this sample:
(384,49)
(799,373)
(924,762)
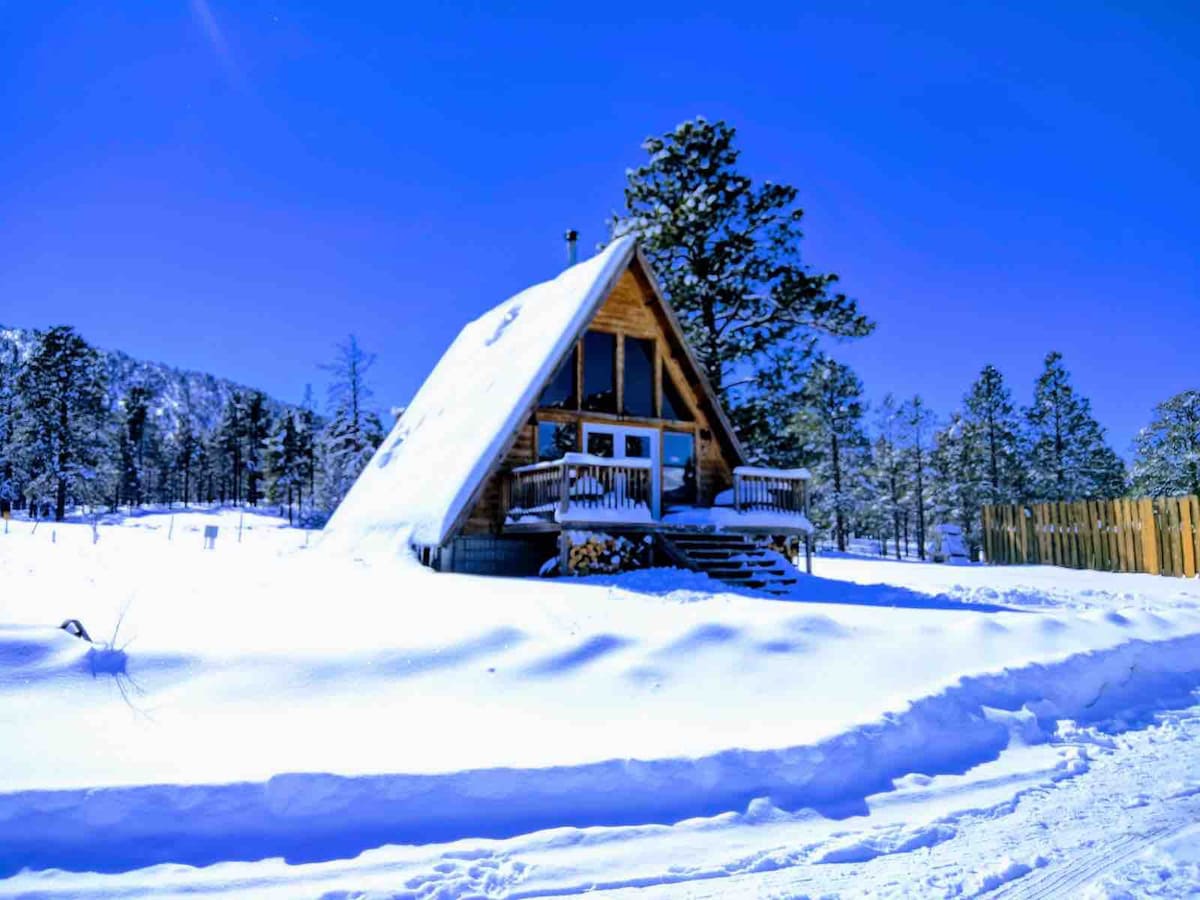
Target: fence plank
(1174,534)
(1097,539)
(1109,509)
(1135,536)
(1186,543)
(1149,536)
(1167,559)
(1194,520)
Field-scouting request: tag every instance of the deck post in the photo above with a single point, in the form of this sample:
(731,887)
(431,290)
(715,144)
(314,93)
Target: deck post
(807,534)
(564,553)
(564,497)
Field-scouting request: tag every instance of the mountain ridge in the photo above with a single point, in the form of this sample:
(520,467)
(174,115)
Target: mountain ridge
(174,391)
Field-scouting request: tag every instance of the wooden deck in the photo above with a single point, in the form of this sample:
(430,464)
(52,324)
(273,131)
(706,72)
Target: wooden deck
(593,493)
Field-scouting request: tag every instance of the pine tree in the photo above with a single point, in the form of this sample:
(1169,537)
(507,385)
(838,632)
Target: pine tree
(991,422)
(349,439)
(286,462)
(187,455)
(10,369)
(131,443)
(956,463)
(1069,458)
(62,430)
(306,441)
(916,430)
(831,418)
(1167,452)
(887,471)
(727,253)
(230,439)
(257,429)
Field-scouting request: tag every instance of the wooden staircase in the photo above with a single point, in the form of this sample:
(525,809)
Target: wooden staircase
(732,558)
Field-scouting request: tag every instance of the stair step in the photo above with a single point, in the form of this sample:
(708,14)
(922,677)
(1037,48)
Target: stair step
(736,560)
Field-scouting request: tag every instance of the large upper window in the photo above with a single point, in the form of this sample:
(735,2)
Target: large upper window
(673,406)
(560,392)
(678,469)
(639,377)
(600,372)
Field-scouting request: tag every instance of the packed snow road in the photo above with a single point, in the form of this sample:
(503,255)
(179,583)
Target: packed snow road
(267,719)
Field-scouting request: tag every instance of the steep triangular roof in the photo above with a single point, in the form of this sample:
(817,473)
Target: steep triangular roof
(425,476)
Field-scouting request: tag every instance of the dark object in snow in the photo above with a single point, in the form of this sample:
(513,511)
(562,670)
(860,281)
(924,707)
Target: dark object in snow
(75,628)
(210,537)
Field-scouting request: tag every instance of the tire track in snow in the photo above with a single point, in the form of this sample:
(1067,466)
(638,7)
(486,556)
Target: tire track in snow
(1065,877)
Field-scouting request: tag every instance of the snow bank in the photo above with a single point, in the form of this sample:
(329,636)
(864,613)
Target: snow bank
(313,816)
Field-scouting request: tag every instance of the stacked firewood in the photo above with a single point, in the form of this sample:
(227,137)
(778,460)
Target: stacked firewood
(786,546)
(595,553)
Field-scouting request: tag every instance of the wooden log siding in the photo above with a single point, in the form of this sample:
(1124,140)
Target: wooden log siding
(1154,535)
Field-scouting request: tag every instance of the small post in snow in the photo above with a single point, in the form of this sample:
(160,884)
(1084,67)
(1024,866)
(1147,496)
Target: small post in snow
(54,535)
(171,529)
(241,519)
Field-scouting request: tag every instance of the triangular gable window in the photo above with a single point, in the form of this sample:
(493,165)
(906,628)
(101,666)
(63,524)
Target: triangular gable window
(673,406)
(560,392)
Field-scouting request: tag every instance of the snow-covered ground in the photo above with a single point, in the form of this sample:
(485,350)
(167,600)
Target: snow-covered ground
(268,719)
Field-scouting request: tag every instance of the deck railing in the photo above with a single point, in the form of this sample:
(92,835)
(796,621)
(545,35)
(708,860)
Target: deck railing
(580,487)
(583,488)
(769,490)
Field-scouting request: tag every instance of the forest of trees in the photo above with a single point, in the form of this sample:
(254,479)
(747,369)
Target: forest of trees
(68,440)
(727,255)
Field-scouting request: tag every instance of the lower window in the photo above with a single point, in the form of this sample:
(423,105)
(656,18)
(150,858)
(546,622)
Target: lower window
(679,469)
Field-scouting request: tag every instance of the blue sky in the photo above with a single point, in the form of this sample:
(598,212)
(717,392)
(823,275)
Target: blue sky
(232,186)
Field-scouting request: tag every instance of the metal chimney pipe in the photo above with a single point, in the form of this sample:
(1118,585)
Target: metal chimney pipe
(572,236)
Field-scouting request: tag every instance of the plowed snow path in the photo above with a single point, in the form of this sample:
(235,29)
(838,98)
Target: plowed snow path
(1041,822)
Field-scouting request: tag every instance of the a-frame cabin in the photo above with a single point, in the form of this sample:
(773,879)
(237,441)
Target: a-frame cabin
(574,413)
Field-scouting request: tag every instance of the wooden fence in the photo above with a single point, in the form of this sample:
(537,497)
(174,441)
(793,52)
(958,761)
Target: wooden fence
(1159,535)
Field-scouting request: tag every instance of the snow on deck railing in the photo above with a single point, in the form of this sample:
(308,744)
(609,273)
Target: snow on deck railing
(760,472)
(585,459)
(770,490)
(580,486)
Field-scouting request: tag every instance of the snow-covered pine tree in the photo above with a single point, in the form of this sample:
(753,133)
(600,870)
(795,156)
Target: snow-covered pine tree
(917,424)
(285,462)
(727,253)
(257,425)
(992,423)
(887,471)
(134,410)
(230,439)
(1069,458)
(10,369)
(306,441)
(955,465)
(1167,452)
(353,431)
(63,427)
(186,455)
(830,419)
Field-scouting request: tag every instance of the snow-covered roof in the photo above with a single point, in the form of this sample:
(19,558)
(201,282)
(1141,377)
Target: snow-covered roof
(425,473)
